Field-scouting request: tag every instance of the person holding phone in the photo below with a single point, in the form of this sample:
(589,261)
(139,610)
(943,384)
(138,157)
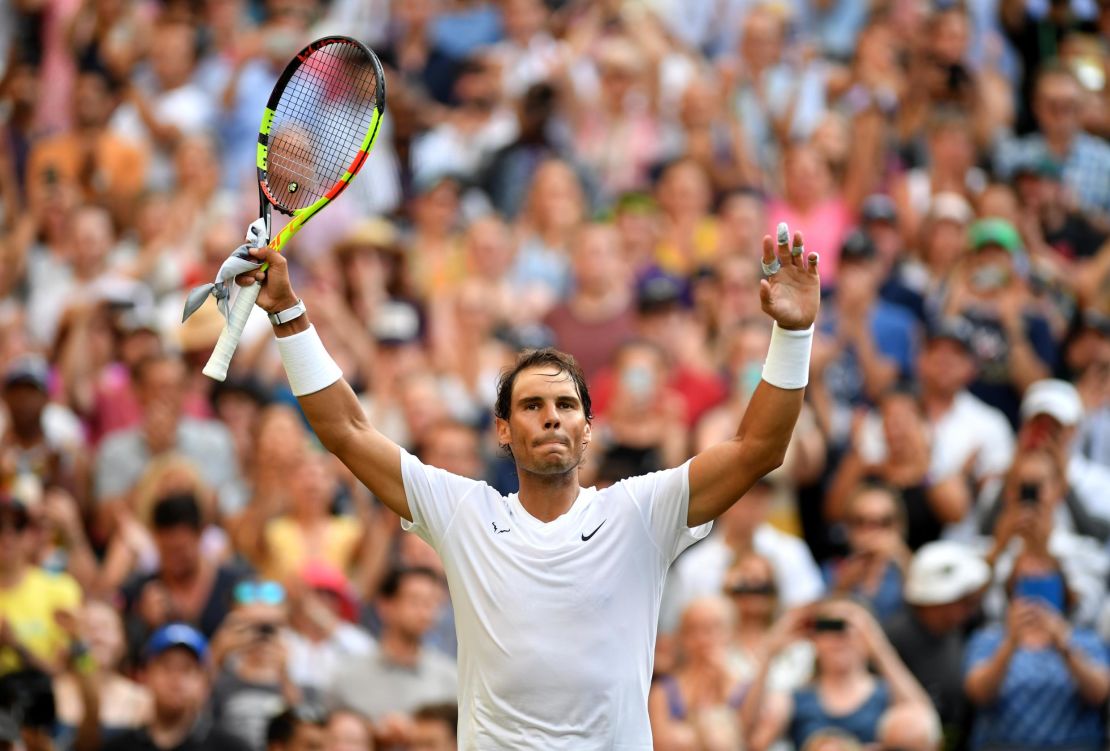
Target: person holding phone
(1033,524)
(1038,682)
(889,707)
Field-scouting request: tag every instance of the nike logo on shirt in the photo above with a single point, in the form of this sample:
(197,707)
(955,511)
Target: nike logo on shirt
(586,537)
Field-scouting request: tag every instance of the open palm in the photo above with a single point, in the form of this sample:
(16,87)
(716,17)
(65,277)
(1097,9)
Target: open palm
(791,295)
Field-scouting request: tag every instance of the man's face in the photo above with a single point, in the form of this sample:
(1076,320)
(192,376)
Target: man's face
(15,529)
(547,428)
(1056,106)
(413,611)
(432,735)
(162,382)
(991,271)
(308,737)
(178,550)
(92,101)
(25,403)
(176,681)
(945,366)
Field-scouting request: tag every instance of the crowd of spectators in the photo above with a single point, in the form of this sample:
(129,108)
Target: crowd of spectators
(183,567)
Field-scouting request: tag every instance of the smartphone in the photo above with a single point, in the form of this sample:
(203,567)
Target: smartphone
(822,624)
(1029,494)
(1046,588)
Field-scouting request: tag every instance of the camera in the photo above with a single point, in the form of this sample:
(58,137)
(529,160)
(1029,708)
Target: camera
(1029,494)
(823,624)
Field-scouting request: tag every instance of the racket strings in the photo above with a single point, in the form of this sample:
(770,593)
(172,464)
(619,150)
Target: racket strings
(320,123)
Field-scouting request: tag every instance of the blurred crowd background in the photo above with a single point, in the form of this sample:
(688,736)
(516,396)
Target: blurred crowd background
(181,566)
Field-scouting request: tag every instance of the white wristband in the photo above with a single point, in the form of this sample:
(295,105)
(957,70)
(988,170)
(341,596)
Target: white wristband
(308,366)
(787,364)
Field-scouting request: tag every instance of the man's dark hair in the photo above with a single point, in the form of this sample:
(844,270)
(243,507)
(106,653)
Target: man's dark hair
(283,726)
(176,510)
(446,713)
(391,584)
(561,361)
(140,369)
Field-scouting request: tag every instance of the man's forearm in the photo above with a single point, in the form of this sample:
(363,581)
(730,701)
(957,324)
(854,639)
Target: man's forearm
(984,681)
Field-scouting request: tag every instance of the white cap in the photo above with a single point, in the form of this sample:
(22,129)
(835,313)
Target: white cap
(950,206)
(943,572)
(1055,398)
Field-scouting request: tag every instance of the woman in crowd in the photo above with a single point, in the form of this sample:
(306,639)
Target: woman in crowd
(695,707)
(843,694)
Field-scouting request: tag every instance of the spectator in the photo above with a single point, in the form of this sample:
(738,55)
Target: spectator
(866,343)
(160,382)
(250,659)
(943,584)
(1051,411)
(695,704)
(174,669)
(751,585)
(1060,137)
(896,447)
(874,568)
(389,684)
(103,165)
(300,728)
(322,636)
(435,728)
(598,316)
(702,571)
(348,731)
(1032,521)
(187,586)
(30,598)
(1037,681)
(1014,345)
(843,694)
(123,704)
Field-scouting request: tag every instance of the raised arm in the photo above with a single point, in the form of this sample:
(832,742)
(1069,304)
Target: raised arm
(791,296)
(328,402)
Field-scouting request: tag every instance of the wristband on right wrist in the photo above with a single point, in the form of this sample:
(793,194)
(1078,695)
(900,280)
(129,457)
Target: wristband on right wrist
(308,366)
(787,364)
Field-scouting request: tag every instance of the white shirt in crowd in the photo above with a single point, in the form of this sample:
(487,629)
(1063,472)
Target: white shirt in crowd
(556,621)
(701,572)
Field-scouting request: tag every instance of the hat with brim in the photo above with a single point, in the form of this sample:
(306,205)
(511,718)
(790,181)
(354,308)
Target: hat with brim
(370,233)
(995,232)
(944,572)
(1053,397)
(176,635)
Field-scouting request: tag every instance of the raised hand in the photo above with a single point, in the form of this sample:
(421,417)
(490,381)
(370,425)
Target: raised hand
(792,294)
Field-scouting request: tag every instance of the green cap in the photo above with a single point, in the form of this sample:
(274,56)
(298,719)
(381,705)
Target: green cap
(994,232)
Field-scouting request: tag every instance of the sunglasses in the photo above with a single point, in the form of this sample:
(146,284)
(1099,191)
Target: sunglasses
(263,592)
(874,522)
(764,588)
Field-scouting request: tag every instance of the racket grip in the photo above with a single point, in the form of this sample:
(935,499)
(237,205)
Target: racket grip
(220,360)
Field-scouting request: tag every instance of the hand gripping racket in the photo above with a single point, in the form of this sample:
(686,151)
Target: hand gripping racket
(317,129)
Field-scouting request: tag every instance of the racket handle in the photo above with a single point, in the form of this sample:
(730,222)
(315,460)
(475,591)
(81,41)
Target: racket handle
(220,360)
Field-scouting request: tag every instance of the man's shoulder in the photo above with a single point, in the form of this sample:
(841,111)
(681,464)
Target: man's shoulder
(1090,146)
(134,739)
(120,443)
(967,405)
(217,739)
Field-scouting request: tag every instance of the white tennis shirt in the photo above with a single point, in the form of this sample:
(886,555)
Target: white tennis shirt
(556,621)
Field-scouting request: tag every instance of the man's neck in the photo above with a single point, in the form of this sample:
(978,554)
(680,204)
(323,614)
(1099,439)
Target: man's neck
(936,404)
(1059,144)
(400,649)
(168,731)
(547,497)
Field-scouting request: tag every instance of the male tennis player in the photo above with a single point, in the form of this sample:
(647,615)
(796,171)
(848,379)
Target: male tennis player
(556,589)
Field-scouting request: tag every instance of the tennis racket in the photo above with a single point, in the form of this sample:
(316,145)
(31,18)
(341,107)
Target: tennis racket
(317,129)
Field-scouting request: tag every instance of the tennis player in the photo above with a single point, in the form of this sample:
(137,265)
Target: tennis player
(556,589)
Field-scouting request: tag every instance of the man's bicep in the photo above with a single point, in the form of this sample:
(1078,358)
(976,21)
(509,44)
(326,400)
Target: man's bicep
(718,477)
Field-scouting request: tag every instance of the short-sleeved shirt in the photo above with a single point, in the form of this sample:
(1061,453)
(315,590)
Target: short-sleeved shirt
(1038,704)
(556,621)
(29,609)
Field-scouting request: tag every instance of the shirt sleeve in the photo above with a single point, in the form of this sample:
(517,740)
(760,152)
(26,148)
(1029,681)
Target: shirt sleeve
(663,500)
(433,496)
(982,646)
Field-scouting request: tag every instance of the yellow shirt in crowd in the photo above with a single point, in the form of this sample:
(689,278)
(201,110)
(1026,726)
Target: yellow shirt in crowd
(29,609)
